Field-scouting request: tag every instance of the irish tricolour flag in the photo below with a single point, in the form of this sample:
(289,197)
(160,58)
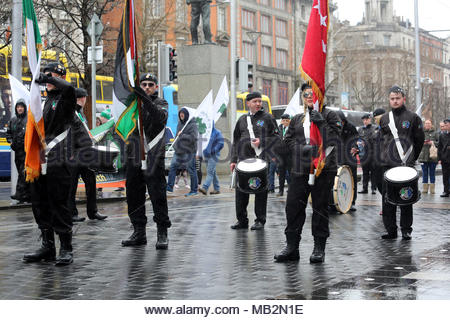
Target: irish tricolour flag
(35,133)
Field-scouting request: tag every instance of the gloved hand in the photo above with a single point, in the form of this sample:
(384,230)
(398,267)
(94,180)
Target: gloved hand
(316,117)
(42,78)
(140,92)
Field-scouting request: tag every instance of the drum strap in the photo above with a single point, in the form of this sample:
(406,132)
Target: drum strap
(403,155)
(252,135)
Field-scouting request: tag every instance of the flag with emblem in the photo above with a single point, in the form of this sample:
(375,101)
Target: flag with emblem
(35,132)
(221,101)
(124,106)
(204,116)
(313,68)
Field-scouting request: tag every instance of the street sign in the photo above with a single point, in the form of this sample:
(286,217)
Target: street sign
(98,54)
(98,26)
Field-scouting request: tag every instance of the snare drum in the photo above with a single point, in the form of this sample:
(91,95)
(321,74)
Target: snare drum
(252,175)
(401,186)
(343,189)
(104,158)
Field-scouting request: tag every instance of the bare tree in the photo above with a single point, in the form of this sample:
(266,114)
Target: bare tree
(5,17)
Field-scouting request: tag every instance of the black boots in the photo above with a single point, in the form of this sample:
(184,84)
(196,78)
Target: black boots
(65,251)
(290,251)
(162,242)
(137,238)
(47,250)
(318,254)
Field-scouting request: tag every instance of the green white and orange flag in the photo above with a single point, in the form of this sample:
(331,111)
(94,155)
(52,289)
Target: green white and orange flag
(35,133)
(124,106)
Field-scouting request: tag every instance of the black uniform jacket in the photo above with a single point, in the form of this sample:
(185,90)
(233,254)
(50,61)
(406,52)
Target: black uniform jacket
(265,128)
(410,132)
(15,133)
(444,147)
(330,130)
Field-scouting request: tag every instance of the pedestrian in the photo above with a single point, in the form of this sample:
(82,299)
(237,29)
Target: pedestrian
(105,116)
(304,147)
(410,133)
(15,135)
(444,156)
(211,155)
(376,146)
(427,159)
(82,169)
(348,149)
(50,192)
(266,140)
(185,152)
(284,165)
(154,117)
(98,122)
(365,133)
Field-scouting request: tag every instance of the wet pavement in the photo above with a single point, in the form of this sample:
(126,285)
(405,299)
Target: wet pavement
(208,260)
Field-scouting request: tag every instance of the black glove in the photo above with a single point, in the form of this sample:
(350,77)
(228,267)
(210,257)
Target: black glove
(316,117)
(42,78)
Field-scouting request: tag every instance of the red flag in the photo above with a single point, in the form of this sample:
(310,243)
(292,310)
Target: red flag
(313,67)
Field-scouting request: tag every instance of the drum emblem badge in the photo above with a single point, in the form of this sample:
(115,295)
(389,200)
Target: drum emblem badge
(406,193)
(254,183)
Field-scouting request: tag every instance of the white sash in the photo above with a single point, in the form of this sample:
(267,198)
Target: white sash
(403,155)
(50,146)
(307,127)
(258,150)
(154,142)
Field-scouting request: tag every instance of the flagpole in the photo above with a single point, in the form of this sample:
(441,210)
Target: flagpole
(139,107)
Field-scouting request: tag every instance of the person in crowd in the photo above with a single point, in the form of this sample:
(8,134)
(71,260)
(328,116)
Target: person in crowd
(154,118)
(266,139)
(82,169)
(425,158)
(411,135)
(441,126)
(303,144)
(284,165)
(211,155)
(444,156)
(365,154)
(375,142)
(5,108)
(15,135)
(98,122)
(185,152)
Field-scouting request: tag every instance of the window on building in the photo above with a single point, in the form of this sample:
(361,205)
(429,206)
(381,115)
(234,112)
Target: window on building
(267,88)
(265,2)
(281,4)
(157,8)
(221,19)
(181,10)
(281,28)
(248,50)
(281,59)
(366,39)
(303,12)
(248,19)
(387,39)
(266,24)
(282,92)
(383,9)
(266,56)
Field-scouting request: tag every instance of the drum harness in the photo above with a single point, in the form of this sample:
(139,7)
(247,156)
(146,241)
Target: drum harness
(403,155)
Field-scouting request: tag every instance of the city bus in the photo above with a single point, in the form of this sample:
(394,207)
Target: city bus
(241,108)
(104,89)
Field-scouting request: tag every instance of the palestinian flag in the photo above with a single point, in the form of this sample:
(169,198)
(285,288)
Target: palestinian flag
(124,106)
(313,68)
(35,133)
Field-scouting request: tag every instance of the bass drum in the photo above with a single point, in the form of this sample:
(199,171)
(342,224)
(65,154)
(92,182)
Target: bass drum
(252,175)
(343,189)
(401,186)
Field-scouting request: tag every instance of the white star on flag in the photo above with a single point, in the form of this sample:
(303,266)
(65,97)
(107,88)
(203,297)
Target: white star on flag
(323,20)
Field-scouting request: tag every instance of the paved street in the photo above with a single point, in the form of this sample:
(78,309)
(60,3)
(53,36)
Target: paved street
(208,260)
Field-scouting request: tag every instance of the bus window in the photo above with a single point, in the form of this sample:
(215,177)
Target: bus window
(107,90)
(239,104)
(98,85)
(2,65)
(265,106)
(74,81)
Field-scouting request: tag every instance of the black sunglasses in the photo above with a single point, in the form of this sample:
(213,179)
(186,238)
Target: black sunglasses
(307,94)
(147,84)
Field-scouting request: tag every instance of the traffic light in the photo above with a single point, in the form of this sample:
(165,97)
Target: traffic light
(250,76)
(242,74)
(172,64)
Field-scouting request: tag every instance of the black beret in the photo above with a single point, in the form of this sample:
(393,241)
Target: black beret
(396,89)
(366,116)
(149,77)
(378,112)
(80,93)
(305,86)
(253,95)
(341,115)
(55,67)
(285,116)
(447,120)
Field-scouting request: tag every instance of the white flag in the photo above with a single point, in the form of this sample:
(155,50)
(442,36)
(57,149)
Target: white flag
(222,99)
(293,107)
(18,91)
(205,118)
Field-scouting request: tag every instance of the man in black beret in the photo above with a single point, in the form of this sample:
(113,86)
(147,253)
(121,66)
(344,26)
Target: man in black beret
(266,140)
(284,165)
(365,154)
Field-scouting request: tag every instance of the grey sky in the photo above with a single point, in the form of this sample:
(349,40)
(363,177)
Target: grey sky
(433,14)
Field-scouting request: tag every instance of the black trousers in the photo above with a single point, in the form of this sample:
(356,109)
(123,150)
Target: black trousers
(49,200)
(390,214)
(137,181)
(22,187)
(297,199)
(446,175)
(90,183)
(368,174)
(354,168)
(260,206)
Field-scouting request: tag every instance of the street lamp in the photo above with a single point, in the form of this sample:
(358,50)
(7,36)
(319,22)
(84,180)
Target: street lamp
(339,60)
(254,35)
